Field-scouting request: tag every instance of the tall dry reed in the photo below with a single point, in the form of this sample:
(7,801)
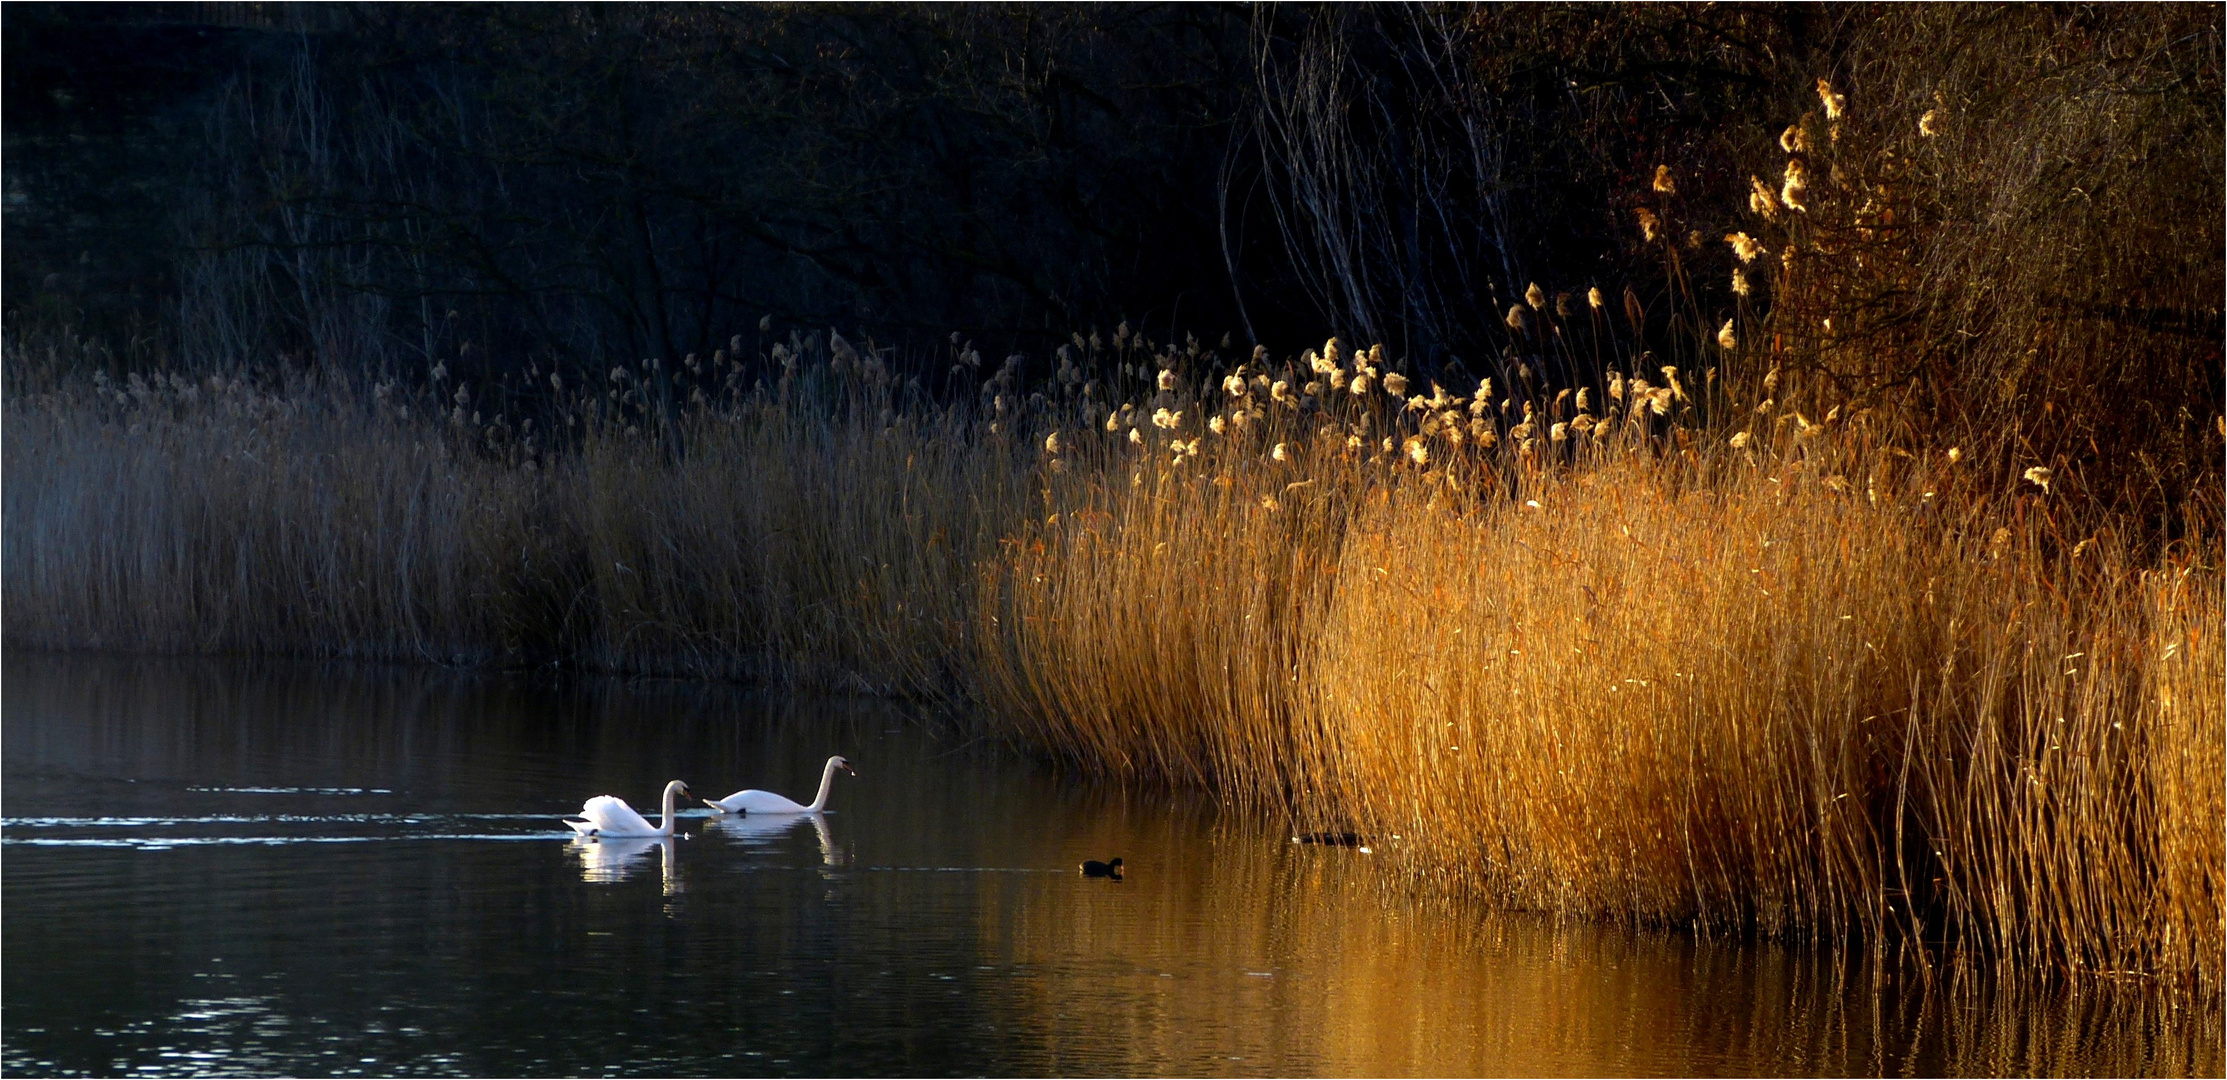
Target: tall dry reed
(1797,679)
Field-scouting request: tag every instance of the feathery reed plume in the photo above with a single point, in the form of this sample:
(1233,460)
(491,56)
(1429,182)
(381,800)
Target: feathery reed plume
(1761,200)
(1725,337)
(1796,186)
(1536,297)
(1744,246)
(1593,298)
(1835,103)
(1650,226)
(1515,318)
(2039,476)
(1395,384)
(1664,183)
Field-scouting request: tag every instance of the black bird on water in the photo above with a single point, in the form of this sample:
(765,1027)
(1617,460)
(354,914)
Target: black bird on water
(1094,868)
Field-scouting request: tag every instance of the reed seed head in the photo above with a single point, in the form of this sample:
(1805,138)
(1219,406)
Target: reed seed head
(1650,226)
(1051,444)
(1796,186)
(1744,246)
(1929,125)
(1793,141)
(1214,424)
(1515,317)
(1740,440)
(1416,451)
(1740,285)
(1725,336)
(1395,384)
(1665,184)
(1834,103)
(1593,298)
(1166,379)
(1536,297)
(1760,200)
(2040,476)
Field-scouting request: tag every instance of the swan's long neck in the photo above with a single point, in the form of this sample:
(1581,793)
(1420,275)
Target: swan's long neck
(827,780)
(665,823)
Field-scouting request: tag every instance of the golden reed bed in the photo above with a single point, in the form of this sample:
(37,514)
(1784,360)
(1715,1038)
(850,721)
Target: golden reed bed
(1594,661)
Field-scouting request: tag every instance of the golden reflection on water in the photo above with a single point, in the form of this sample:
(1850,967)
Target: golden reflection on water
(1224,951)
(1239,957)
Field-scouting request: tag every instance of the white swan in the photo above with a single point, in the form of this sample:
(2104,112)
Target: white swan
(608,815)
(754,801)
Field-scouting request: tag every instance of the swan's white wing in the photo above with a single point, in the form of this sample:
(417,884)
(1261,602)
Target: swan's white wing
(754,801)
(608,815)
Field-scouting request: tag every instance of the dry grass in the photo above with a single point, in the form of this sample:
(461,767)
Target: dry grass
(1739,653)
(1805,682)
(1808,685)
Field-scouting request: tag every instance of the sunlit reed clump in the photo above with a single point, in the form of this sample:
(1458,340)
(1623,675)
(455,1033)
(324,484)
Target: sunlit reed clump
(1702,642)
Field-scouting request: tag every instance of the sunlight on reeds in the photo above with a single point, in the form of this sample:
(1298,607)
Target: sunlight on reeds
(1732,652)
(1608,666)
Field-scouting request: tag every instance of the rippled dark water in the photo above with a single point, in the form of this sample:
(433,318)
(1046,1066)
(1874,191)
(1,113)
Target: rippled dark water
(224,868)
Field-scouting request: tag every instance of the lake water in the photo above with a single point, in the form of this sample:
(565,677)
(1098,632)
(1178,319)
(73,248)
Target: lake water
(217,867)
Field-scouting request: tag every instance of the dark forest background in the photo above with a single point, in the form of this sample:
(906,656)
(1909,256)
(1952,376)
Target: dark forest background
(379,188)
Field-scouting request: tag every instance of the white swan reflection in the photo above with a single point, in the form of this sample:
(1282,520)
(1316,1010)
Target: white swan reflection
(767,828)
(609,859)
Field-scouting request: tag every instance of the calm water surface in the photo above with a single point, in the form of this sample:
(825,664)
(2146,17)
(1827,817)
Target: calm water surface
(223,868)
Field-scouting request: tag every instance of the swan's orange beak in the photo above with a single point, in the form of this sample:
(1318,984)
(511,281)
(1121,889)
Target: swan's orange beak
(847,768)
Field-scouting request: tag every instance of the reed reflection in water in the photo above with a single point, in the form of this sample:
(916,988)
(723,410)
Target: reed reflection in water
(313,868)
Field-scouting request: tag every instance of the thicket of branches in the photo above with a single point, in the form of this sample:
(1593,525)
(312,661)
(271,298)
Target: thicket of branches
(493,188)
